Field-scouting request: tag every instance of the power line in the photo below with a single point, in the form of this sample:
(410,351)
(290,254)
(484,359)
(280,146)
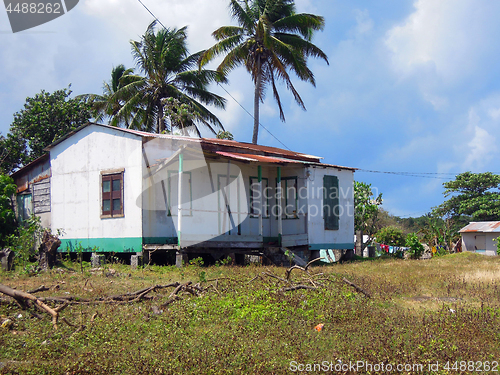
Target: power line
(263,127)
(441,176)
(151,13)
(253,117)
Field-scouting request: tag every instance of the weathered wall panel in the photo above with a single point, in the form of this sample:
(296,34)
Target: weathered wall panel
(77,163)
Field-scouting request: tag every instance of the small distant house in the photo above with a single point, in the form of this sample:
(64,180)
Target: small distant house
(478,237)
(119,190)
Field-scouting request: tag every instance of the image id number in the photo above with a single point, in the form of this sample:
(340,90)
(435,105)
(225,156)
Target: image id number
(34,8)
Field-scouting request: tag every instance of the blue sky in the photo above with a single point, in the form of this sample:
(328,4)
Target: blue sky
(412,85)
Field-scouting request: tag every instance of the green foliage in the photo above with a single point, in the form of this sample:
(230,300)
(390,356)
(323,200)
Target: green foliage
(221,134)
(107,107)
(7,215)
(416,248)
(497,240)
(24,242)
(197,262)
(391,235)
(290,255)
(243,325)
(476,195)
(366,208)
(45,118)
(224,261)
(271,40)
(441,233)
(169,72)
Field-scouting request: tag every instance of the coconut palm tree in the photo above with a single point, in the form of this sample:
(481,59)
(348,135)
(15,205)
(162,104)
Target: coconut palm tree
(169,72)
(270,40)
(107,105)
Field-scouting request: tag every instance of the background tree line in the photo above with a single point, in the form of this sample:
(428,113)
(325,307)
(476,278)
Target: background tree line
(470,197)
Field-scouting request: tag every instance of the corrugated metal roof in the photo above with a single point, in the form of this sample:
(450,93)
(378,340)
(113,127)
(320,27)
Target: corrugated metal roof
(240,150)
(40,160)
(260,148)
(256,158)
(482,226)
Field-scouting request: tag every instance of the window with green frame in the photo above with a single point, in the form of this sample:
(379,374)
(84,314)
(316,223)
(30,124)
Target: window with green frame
(173,195)
(24,207)
(255,197)
(289,197)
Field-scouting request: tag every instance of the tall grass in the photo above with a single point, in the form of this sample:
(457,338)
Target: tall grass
(421,312)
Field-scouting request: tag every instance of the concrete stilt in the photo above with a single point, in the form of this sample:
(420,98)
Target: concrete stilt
(181,259)
(97,260)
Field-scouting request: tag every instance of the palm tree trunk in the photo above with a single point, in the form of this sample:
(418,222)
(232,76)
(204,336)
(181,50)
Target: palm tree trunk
(256,103)
(161,120)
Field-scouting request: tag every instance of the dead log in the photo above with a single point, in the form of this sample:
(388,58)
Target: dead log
(289,271)
(360,290)
(268,273)
(41,288)
(23,299)
(48,250)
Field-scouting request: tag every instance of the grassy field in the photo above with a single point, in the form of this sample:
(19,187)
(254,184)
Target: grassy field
(442,314)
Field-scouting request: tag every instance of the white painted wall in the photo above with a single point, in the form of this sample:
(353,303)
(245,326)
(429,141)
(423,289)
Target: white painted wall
(469,243)
(202,199)
(317,233)
(76,164)
(203,219)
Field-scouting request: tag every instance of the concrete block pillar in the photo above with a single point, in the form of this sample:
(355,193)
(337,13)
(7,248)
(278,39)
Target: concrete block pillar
(135,261)
(97,260)
(181,259)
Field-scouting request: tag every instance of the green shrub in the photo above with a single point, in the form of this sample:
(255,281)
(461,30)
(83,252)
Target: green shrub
(497,240)
(23,244)
(7,216)
(416,248)
(391,236)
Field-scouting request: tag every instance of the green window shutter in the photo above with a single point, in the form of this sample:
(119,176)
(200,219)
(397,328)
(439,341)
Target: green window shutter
(331,202)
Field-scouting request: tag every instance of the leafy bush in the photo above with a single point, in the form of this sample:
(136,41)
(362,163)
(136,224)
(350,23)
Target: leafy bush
(391,236)
(7,215)
(497,240)
(24,242)
(416,248)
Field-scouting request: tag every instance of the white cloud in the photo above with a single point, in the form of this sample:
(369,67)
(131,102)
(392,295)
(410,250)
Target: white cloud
(448,38)
(481,149)
(364,24)
(479,144)
(130,18)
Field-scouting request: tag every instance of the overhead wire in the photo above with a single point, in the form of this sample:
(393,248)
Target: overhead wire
(232,97)
(435,175)
(156,18)
(260,124)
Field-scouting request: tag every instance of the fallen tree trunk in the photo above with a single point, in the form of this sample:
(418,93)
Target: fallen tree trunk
(361,290)
(23,299)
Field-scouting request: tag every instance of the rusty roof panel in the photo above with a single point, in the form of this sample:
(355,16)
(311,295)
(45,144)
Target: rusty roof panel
(245,150)
(482,227)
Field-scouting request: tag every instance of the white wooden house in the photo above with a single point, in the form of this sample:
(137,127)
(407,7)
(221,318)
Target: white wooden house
(478,237)
(118,190)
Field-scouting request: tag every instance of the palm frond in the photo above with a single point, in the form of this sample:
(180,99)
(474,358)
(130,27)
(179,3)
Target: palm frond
(302,23)
(241,14)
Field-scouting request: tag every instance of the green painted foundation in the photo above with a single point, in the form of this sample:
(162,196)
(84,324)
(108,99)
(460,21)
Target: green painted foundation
(159,240)
(101,245)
